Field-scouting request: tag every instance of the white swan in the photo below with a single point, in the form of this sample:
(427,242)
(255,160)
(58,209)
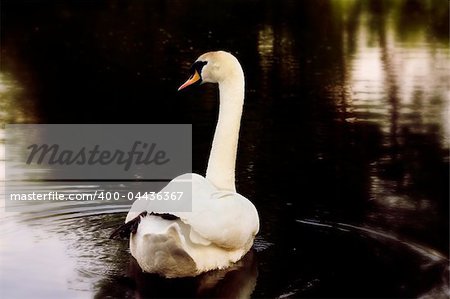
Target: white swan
(222,225)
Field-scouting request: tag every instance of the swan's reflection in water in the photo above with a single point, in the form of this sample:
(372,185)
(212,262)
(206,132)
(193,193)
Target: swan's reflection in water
(238,281)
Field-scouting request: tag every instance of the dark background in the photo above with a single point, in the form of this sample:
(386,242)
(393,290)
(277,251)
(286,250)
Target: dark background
(307,150)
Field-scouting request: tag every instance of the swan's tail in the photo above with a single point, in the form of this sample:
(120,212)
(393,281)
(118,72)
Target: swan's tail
(161,251)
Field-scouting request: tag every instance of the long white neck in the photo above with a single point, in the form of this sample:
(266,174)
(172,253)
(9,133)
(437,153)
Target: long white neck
(222,159)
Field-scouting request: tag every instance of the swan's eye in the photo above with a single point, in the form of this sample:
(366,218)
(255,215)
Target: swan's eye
(195,74)
(198,66)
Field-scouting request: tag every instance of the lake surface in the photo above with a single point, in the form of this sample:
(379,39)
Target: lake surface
(344,146)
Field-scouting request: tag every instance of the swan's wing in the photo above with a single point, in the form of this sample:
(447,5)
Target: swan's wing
(227,220)
(224,218)
(187,183)
(127,228)
(131,226)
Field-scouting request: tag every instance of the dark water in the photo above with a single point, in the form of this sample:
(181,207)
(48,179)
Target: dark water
(344,147)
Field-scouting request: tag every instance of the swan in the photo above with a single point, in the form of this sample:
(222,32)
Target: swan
(222,225)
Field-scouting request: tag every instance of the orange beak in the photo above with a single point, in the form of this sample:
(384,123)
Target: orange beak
(194,78)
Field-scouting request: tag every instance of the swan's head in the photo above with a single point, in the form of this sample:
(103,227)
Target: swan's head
(213,67)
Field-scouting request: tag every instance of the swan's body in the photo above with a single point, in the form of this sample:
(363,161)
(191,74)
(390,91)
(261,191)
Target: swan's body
(222,225)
